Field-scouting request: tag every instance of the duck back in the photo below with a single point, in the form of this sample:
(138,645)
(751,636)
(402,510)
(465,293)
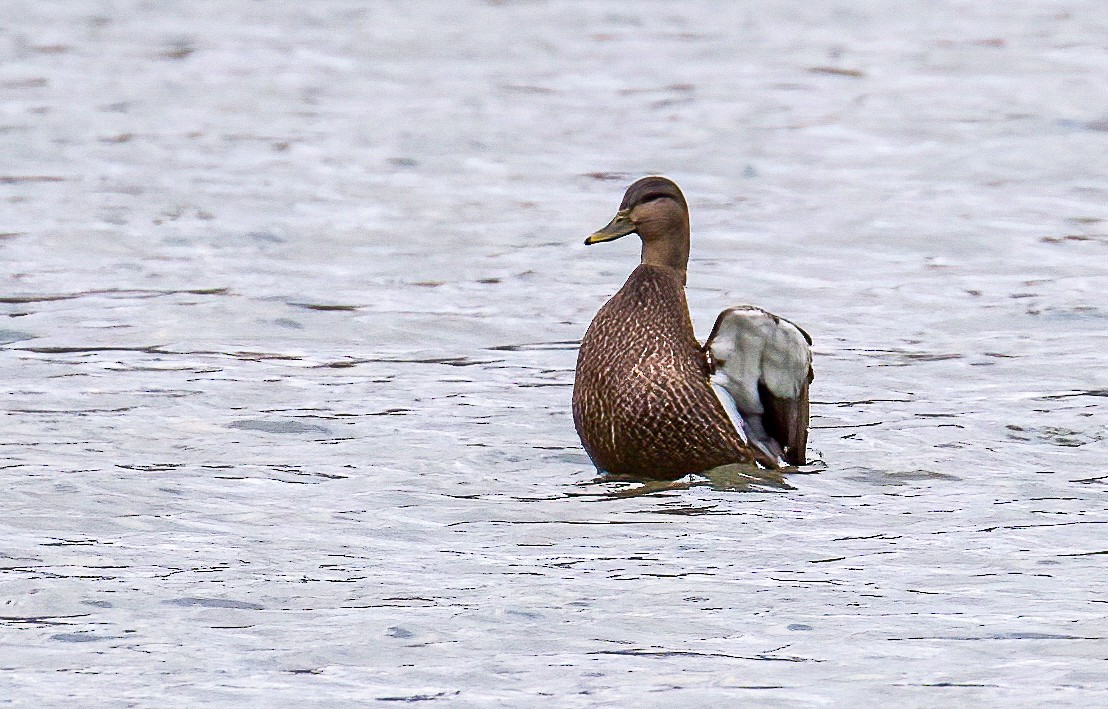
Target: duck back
(642,401)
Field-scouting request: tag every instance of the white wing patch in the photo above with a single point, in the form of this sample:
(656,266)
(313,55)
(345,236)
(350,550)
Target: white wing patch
(758,354)
(728,402)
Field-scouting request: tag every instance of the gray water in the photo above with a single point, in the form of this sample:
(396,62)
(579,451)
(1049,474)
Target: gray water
(292,296)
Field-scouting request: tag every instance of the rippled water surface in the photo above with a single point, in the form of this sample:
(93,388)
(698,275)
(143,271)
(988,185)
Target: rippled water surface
(292,295)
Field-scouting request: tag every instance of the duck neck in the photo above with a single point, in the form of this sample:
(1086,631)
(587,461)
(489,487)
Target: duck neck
(670,249)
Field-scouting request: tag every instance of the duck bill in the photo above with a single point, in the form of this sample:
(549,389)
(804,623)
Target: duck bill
(620,226)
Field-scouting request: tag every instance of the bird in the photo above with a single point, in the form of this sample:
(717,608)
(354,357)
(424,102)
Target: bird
(649,401)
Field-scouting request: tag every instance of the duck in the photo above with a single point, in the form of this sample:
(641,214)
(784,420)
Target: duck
(649,400)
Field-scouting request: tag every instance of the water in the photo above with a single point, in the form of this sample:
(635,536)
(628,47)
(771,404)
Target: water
(292,296)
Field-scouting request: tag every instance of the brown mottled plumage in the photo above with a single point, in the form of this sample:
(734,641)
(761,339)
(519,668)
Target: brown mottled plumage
(648,400)
(643,404)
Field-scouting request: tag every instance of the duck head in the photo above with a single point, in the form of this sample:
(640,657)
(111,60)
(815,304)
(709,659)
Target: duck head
(655,209)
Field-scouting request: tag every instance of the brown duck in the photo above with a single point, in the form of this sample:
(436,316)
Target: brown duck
(650,401)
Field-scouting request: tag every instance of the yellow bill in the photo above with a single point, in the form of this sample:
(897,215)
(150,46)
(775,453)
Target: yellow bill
(621,225)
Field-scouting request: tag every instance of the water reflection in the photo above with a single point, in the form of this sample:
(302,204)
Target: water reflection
(734,477)
(287,372)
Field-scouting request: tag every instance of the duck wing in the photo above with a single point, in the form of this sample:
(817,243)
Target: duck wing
(764,364)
